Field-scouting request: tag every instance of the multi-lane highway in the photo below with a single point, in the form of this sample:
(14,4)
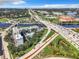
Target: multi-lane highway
(40,46)
(68,34)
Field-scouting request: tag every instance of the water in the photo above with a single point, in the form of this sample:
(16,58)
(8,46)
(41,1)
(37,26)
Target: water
(71,25)
(4,25)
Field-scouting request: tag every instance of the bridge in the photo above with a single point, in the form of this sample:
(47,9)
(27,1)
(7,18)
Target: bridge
(68,34)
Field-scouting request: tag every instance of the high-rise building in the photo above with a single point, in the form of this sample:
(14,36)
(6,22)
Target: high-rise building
(18,39)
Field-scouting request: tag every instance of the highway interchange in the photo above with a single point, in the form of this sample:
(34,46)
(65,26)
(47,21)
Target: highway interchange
(68,34)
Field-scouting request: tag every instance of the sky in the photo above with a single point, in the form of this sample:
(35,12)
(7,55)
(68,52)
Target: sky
(39,3)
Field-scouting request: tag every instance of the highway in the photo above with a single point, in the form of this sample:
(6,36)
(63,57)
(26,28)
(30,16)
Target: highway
(37,46)
(40,46)
(45,36)
(70,35)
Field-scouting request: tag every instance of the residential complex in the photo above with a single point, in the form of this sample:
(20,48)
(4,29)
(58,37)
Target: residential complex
(18,38)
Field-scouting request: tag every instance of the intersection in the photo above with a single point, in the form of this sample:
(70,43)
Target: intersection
(70,35)
(66,33)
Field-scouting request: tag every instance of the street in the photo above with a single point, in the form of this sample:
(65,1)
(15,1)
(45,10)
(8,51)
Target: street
(5,44)
(70,35)
(40,46)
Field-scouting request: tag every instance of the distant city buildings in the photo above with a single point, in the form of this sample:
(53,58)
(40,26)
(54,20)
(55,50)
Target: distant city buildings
(31,28)
(50,17)
(71,13)
(58,13)
(44,12)
(66,18)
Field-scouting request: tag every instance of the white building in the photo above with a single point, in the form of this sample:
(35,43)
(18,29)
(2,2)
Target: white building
(58,13)
(18,39)
(44,12)
(32,27)
(71,13)
(50,17)
(30,34)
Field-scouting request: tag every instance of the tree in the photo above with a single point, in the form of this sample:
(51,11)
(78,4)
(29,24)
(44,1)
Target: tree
(6,38)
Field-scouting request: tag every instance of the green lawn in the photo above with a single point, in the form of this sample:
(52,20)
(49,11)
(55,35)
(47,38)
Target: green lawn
(60,47)
(3,20)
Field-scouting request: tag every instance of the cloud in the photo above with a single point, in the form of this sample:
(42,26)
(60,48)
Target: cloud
(57,6)
(60,6)
(19,2)
(15,2)
(15,5)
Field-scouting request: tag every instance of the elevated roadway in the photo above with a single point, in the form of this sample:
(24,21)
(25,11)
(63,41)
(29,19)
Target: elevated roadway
(38,48)
(70,35)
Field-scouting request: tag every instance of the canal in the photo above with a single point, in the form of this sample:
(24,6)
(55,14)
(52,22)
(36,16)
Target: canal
(71,25)
(4,25)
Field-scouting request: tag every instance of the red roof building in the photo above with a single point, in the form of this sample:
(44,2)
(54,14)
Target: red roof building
(66,18)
